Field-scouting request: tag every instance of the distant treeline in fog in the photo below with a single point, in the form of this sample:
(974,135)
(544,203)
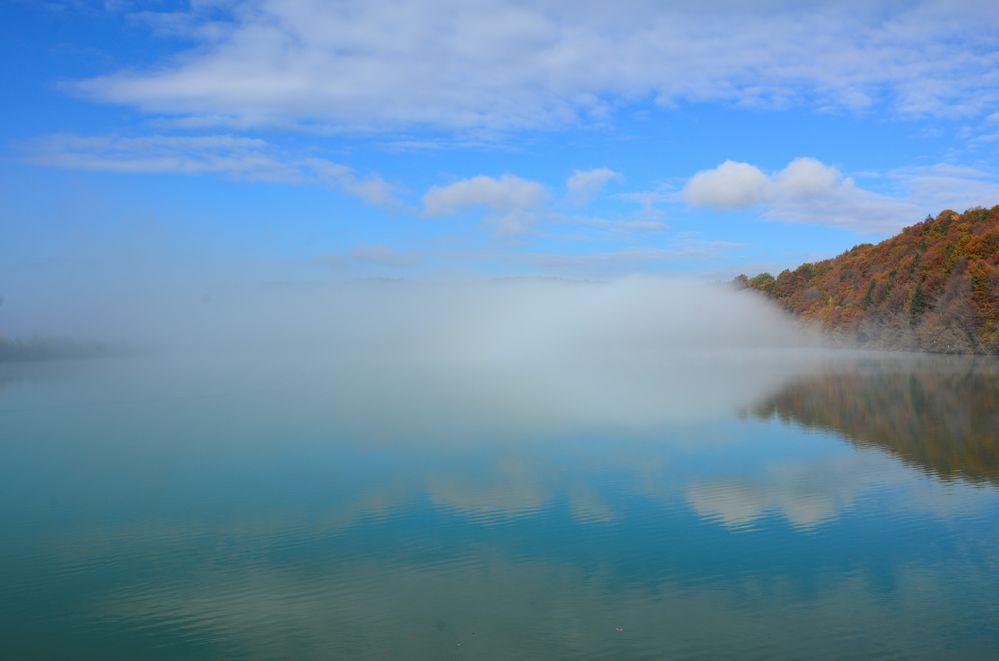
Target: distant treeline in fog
(47,348)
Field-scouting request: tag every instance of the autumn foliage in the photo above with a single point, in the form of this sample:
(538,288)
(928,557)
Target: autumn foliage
(933,287)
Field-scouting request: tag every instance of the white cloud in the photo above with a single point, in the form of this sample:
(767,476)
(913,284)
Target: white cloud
(456,65)
(227,155)
(809,191)
(371,255)
(514,205)
(584,185)
(806,191)
(944,186)
(731,185)
(515,222)
(637,223)
(552,224)
(372,189)
(807,177)
(507,193)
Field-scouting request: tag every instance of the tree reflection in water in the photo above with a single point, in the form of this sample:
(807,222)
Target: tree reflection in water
(938,414)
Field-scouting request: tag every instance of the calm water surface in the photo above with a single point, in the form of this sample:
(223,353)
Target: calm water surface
(774,506)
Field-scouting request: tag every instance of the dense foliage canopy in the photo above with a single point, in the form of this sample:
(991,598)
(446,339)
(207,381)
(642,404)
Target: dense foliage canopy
(933,287)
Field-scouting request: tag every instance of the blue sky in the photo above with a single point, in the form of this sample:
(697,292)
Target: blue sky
(304,140)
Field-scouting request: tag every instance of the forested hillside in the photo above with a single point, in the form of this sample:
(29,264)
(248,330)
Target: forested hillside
(933,287)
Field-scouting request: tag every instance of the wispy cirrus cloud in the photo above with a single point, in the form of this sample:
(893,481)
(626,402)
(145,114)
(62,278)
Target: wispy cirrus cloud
(583,185)
(372,255)
(945,186)
(231,156)
(353,65)
(502,194)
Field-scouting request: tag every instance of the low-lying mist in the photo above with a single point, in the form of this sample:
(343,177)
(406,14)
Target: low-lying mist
(508,319)
(455,359)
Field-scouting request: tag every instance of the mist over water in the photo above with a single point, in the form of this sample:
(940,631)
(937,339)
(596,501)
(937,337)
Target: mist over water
(473,319)
(634,351)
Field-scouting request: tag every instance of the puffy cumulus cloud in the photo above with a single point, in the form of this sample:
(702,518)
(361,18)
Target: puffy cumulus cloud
(734,185)
(584,185)
(501,64)
(806,191)
(809,191)
(731,185)
(232,156)
(515,205)
(806,177)
(503,193)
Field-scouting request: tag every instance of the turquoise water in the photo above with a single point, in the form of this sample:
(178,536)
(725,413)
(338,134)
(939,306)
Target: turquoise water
(704,507)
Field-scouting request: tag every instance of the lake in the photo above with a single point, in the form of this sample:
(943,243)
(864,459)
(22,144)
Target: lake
(772,504)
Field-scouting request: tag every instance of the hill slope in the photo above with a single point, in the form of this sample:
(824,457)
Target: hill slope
(933,287)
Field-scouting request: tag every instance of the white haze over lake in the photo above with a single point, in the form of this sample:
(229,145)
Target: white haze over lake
(460,360)
(509,318)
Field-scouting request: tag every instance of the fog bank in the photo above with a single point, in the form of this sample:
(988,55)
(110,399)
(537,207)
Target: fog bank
(516,318)
(458,360)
